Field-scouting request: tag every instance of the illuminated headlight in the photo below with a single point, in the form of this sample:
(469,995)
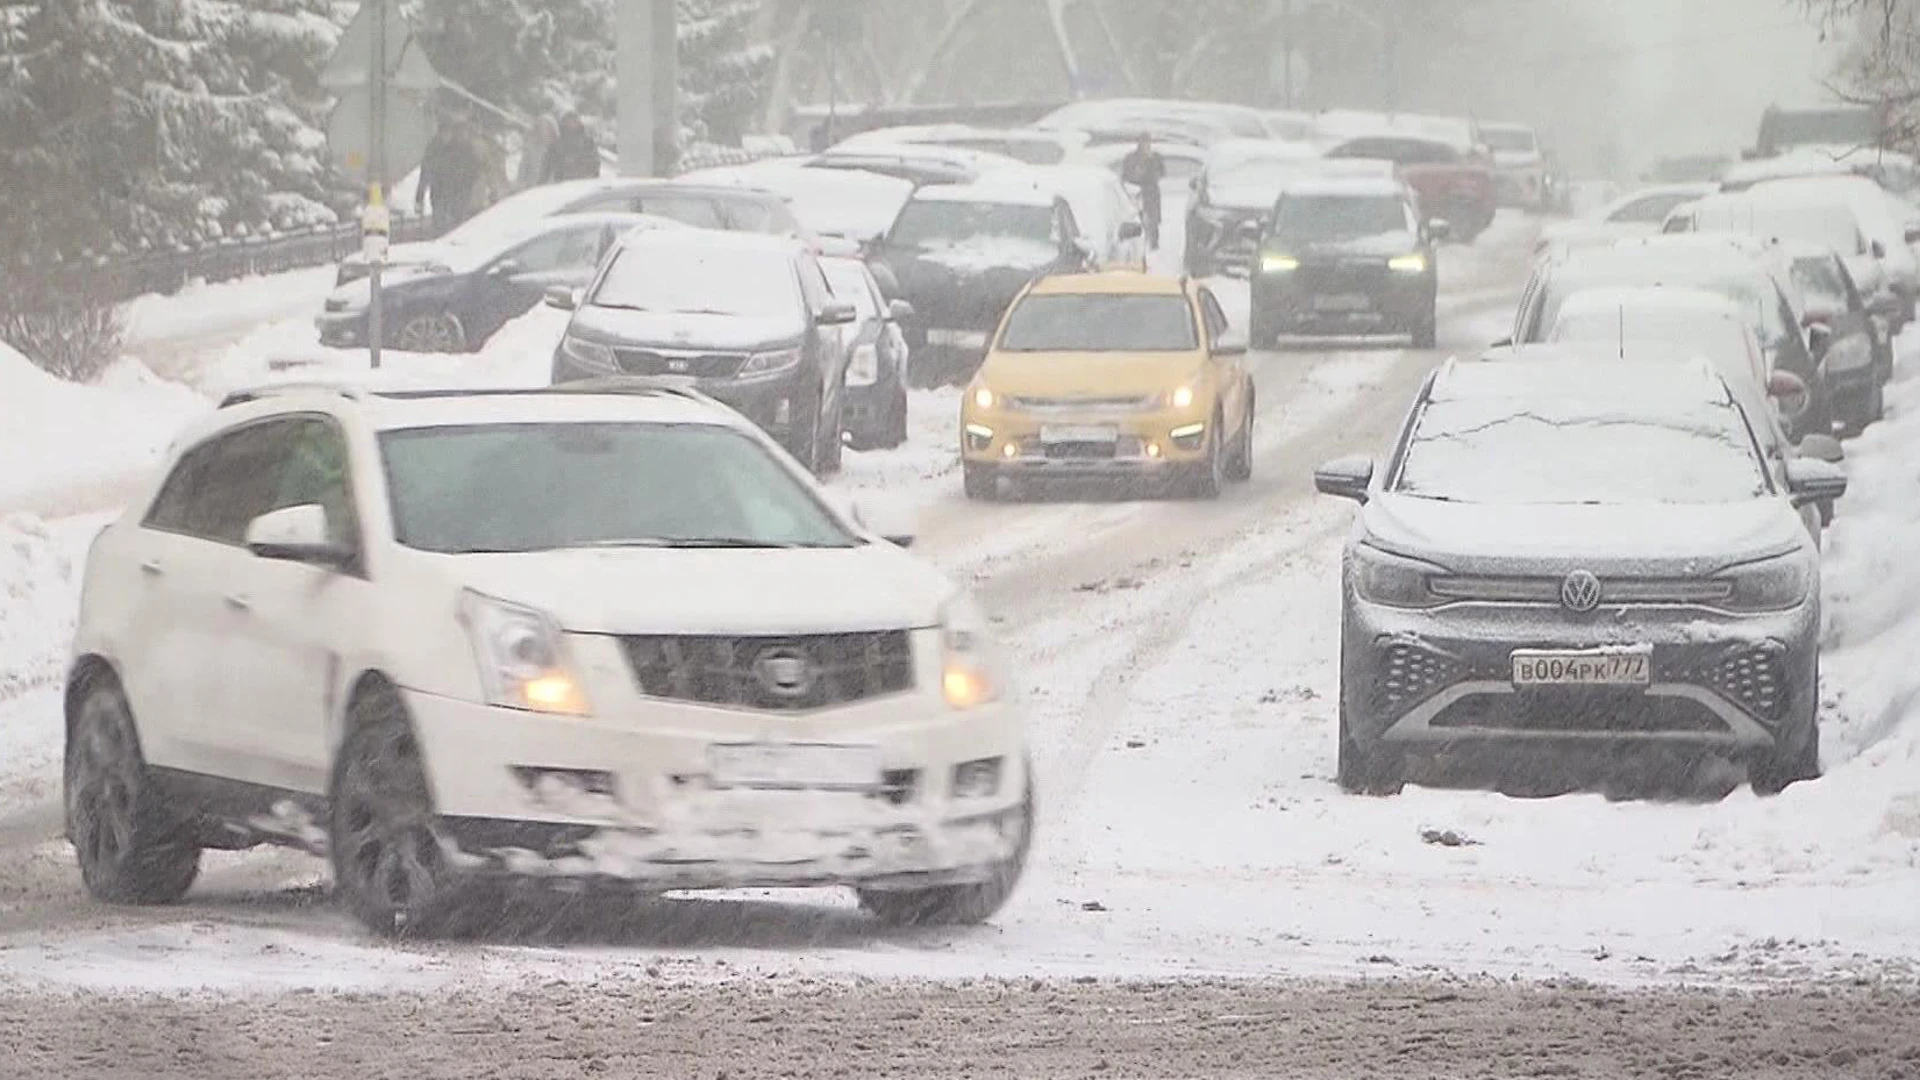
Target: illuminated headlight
(966,676)
(863,367)
(983,398)
(769,363)
(1770,585)
(588,354)
(1278,264)
(1392,581)
(1181,398)
(1415,263)
(520,656)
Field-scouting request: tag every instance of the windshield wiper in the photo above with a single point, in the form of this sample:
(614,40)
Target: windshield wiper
(619,307)
(703,542)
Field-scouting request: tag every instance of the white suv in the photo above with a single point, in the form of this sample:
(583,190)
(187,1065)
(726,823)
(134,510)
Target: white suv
(605,633)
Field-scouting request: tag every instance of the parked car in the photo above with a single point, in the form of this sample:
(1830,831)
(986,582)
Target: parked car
(1858,357)
(704,206)
(1034,146)
(1783,128)
(1569,556)
(1206,121)
(1454,183)
(850,204)
(1520,168)
(1641,212)
(877,356)
(1104,211)
(1347,255)
(748,319)
(921,164)
(454,640)
(961,253)
(1232,196)
(457,302)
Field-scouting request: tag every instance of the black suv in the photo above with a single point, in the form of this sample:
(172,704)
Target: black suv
(745,318)
(1346,255)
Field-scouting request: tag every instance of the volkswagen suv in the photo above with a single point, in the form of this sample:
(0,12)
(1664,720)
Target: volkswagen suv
(606,634)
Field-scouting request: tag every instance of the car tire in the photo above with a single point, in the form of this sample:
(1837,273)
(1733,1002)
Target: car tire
(1787,766)
(803,430)
(1240,464)
(981,482)
(132,847)
(833,436)
(1426,332)
(1264,334)
(1209,477)
(957,905)
(1366,770)
(896,429)
(431,332)
(390,869)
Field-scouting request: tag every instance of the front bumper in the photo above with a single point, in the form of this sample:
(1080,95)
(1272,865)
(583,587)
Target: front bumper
(1087,442)
(342,329)
(1443,677)
(1343,297)
(629,794)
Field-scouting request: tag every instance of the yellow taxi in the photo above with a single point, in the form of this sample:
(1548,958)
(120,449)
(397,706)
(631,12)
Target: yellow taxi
(1117,374)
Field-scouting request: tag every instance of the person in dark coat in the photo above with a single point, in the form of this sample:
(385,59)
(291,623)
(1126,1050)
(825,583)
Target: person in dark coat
(448,174)
(574,155)
(1145,169)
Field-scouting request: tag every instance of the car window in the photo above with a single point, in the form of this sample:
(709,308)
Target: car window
(1065,227)
(1216,317)
(222,486)
(697,210)
(171,507)
(316,471)
(814,284)
(568,249)
(1098,322)
(849,281)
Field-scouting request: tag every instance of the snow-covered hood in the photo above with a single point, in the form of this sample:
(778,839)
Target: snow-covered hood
(358,293)
(1255,197)
(660,591)
(1653,540)
(982,254)
(1379,245)
(675,329)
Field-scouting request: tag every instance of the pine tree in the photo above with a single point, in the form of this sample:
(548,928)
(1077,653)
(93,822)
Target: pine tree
(723,74)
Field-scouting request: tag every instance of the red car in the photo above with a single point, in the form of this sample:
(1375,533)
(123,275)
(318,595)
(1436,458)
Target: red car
(1454,182)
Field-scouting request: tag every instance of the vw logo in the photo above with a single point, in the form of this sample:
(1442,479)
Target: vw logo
(1580,591)
(785,672)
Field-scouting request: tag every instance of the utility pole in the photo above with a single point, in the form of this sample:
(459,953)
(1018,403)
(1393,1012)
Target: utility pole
(1286,56)
(647,86)
(374,227)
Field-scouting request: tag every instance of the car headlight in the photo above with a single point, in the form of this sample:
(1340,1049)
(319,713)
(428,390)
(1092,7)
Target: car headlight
(1181,398)
(1415,263)
(1278,264)
(1769,585)
(1390,580)
(966,664)
(521,657)
(863,367)
(771,362)
(590,354)
(983,398)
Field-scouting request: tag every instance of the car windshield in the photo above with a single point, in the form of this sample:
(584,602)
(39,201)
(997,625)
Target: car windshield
(1089,322)
(1752,292)
(935,223)
(1309,219)
(707,281)
(1507,139)
(1820,279)
(545,486)
(1560,452)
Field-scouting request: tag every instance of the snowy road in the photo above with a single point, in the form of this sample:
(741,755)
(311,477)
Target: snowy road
(1179,660)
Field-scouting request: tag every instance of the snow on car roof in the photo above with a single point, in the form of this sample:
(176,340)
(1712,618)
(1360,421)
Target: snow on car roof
(713,240)
(1649,297)
(1658,388)
(1229,152)
(1340,183)
(385,412)
(995,189)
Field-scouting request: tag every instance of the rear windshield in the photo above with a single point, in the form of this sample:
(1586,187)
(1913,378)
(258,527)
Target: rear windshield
(1101,323)
(1308,219)
(931,223)
(1708,333)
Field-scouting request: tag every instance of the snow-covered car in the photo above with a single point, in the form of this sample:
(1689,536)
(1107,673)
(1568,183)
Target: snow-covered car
(960,254)
(1637,213)
(1233,196)
(1454,178)
(1858,356)
(1035,146)
(702,206)
(748,319)
(601,635)
(1200,122)
(1572,557)
(1104,211)
(920,163)
(1519,166)
(1183,160)
(852,204)
(457,300)
(877,356)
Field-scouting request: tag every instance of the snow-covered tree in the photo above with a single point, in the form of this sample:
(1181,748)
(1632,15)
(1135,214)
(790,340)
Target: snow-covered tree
(723,72)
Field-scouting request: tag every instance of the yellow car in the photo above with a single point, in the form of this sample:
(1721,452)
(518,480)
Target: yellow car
(1118,374)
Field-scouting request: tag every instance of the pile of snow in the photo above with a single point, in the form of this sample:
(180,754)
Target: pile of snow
(207,310)
(63,438)
(36,594)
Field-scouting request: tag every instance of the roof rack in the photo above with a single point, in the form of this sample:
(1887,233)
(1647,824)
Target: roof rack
(267,390)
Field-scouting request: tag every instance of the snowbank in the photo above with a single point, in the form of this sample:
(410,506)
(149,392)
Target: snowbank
(36,593)
(61,436)
(202,310)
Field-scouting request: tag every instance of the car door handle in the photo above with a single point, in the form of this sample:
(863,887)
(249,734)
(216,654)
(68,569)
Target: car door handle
(152,567)
(239,602)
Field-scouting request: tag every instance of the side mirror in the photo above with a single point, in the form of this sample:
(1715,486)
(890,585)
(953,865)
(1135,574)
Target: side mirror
(1790,391)
(1229,347)
(1810,480)
(505,268)
(1879,249)
(563,297)
(900,311)
(296,534)
(836,313)
(1439,228)
(1347,478)
(1819,339)
(1131,230)
(1821,448)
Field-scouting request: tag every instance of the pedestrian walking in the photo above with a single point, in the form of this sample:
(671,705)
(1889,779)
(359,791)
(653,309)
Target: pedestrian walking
(1145,168)
(449,173)
(574,155)
(537,148)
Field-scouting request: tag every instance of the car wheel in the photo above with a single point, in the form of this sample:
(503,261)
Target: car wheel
(1210,476)
(803,431)
(1790,764)
(432,332)
(982,483)
(959,905)
(1240,468)
(130,846)
(833,439)
(389,867)
(1366,770)
(1426,332)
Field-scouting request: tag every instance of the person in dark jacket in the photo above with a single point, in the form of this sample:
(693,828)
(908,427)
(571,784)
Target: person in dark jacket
(574,155)
(448,174)
(1145,169)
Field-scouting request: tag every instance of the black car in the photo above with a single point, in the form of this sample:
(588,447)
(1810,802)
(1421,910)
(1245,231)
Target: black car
(1346,255)
(747,319)
(707,206)
(960,253)
(457,301)
(876,356)
(1231,199)
(1856,353)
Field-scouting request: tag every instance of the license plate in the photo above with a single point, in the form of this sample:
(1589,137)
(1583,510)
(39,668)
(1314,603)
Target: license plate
(793,765)
(1588,667)
(1342,302)
(958,339)
(1067,433)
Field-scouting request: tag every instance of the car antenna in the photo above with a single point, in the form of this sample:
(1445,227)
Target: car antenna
(1623,330)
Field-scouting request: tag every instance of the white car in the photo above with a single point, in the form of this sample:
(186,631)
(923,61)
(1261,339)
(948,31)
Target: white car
(1520,169)
(1638,213)
(603,634)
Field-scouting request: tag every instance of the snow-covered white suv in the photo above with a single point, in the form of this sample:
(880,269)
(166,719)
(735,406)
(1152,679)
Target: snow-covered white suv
(607,632)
